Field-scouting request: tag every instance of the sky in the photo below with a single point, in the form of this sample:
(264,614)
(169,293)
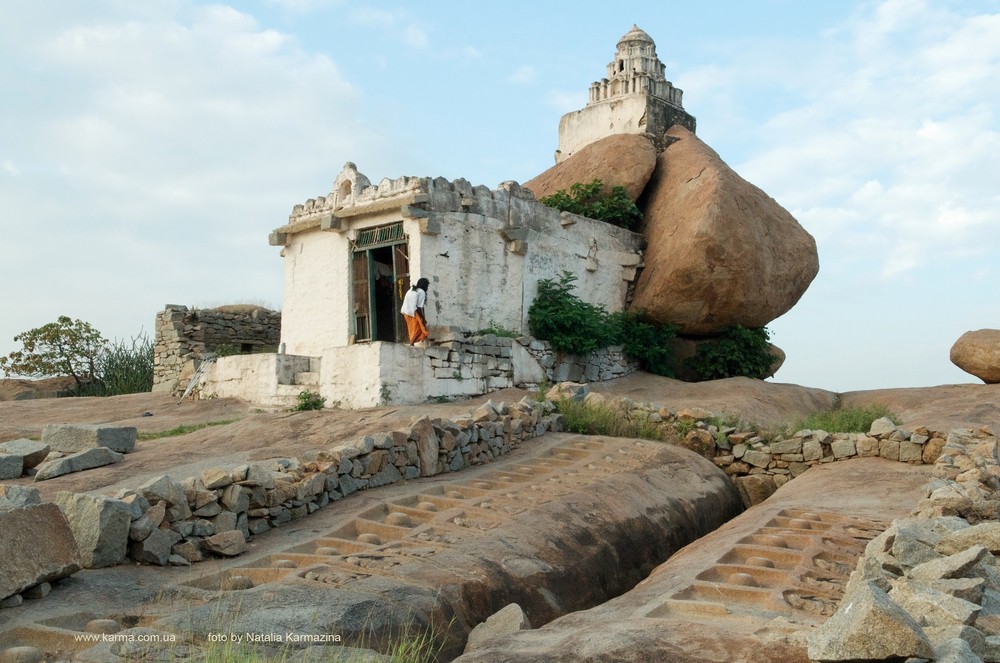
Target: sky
(148,148)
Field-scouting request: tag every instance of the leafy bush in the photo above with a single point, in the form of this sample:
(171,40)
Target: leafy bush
(854,419)
(66,347)
(646,341)
(567,322)
(309,400)
(572,325)
(74,348)
(591,201)
(738,351)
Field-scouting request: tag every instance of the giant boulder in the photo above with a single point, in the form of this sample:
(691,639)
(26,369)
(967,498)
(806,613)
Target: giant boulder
(625,160)
(978,353)
(720,251)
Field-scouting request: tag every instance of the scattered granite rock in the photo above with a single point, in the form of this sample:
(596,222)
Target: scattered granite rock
(78,462)
(71,438)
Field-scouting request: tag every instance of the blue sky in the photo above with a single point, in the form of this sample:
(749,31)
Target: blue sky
(147,149)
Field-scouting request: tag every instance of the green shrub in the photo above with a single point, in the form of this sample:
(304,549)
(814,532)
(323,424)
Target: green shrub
(853,419)
(738,351)
(590,200)
(309,400)
(567,322)
(646,341)
(226,350)
(572,325)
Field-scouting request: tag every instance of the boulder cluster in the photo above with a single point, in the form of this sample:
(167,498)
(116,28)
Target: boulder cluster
(929,586)
(720,252)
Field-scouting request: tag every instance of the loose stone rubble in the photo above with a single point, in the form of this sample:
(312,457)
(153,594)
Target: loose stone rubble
(78,462)
(930,581)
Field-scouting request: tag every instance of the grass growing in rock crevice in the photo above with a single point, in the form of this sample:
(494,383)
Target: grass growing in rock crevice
(603,418)
(612,418)
(183,429)
(853,419)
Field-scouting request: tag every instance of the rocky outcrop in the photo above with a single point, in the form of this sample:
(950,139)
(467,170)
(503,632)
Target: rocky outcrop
(978,353)
(720,251)
(36,546)
(510,619)
(625,160)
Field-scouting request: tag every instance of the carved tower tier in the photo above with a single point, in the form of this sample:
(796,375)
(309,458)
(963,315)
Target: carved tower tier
(635,98)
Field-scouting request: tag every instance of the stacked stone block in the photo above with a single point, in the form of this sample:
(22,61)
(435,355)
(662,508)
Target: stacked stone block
(603,364)
(183,337)
(215,513)
(465,363)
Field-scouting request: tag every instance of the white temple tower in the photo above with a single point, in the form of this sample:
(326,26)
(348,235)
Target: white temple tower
(635,98)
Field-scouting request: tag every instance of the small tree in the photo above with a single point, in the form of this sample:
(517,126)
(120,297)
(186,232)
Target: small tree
(66,347)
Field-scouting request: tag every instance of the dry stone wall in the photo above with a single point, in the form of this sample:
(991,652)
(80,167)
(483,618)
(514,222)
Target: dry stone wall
(164,521)
(468,363)
(184,336)
(929,586)
(759,466)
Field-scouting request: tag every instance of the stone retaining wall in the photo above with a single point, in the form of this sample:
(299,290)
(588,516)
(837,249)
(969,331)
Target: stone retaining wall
(184,336)
(760,466)
(180,522)
(498,362)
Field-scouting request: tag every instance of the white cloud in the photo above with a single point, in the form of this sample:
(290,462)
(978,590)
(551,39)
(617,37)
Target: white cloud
(302,6)
(890,138)
(523,75)
(415,36)
(398,24)
(155,154)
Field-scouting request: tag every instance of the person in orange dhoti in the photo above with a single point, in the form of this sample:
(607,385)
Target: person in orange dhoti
(413,311)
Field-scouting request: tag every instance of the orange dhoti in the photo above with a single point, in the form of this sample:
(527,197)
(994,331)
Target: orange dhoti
(416,328)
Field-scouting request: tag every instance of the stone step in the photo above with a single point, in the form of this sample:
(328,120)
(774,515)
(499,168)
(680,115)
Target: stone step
(306,379)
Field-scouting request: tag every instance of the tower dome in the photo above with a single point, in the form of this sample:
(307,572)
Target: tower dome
(635,34)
